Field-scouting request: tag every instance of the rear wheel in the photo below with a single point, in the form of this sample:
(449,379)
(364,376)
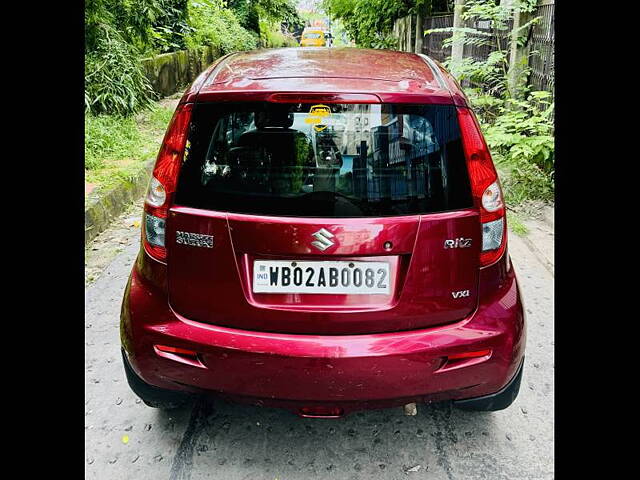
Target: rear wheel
(496,401)
(153,396)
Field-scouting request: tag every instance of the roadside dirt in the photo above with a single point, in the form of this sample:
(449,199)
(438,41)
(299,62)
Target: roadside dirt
(123,231)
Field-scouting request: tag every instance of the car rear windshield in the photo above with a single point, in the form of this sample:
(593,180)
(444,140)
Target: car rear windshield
(335,160)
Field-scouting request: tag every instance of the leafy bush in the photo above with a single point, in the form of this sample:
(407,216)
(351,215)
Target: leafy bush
(131,19)
(526,181)
(171,27)
(118,33)
(272,37)
(521,140)
(215,25)
(518,130)
(114,80)
(370,22)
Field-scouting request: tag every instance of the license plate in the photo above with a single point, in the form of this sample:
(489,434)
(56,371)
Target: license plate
(289,276)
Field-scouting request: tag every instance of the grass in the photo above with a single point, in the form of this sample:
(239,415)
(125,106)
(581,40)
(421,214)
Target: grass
(115,146)
(524,183)
(515,224)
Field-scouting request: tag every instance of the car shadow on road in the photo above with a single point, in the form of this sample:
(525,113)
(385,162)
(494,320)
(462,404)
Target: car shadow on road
(265,441)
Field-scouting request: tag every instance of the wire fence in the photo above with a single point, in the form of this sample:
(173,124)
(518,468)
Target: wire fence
(540,41)
(432,43)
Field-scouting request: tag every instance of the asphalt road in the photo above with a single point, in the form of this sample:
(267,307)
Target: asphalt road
(126,440)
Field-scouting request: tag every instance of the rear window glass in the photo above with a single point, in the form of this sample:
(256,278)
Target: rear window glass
(330,160)
(311,35)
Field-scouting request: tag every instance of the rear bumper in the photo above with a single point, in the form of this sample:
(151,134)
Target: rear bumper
(495,401)
(346,371)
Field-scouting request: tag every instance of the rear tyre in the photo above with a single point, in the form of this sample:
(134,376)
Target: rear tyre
(152,396)
(496,401)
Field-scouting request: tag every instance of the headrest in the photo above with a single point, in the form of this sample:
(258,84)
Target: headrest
(275,118)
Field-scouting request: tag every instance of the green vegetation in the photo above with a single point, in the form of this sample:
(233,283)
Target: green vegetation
(517,123)
(515,224)
(521,140)
(123,124)
(115,34)
(118,33)
(278,19)
(370,22)
(213,24)
(274,38)
(116,146)
(340,35)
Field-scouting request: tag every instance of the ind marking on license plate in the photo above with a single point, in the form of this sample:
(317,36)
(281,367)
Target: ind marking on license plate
(281,276)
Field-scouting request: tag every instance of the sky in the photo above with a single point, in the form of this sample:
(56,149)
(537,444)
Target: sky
(306,5)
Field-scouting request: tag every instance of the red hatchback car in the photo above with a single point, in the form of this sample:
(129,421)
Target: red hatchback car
(324,232)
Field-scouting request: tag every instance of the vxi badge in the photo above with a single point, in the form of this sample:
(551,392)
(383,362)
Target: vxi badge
(460,294)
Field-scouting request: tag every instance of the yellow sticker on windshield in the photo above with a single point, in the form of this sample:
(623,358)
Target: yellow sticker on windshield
(317,115)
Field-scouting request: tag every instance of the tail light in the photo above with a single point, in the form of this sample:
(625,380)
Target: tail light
(163,182)
(485,188)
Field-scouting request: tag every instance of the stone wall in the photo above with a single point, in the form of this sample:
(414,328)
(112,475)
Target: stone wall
(170,72)
(102,207)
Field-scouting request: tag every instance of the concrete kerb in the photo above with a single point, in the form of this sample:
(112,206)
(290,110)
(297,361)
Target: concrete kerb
(102,207)
(548,216)
(540,238)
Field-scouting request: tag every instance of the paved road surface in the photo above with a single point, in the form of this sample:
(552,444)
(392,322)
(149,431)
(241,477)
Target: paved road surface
(127,440)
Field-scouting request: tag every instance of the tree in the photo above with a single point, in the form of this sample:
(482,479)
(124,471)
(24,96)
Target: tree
(370,22)
(457,47)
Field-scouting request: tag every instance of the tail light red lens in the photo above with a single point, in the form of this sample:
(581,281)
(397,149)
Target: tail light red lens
(485,188)
(164,181)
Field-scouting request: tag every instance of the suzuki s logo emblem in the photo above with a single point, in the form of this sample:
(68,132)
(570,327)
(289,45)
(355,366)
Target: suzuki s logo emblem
(322,239)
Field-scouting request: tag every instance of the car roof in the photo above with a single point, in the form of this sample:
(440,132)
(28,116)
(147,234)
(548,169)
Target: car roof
(326,62)
(322,69)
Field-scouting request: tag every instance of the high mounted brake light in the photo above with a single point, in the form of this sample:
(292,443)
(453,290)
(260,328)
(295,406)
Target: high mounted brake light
(485,188)
(163,182)
(286,97)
